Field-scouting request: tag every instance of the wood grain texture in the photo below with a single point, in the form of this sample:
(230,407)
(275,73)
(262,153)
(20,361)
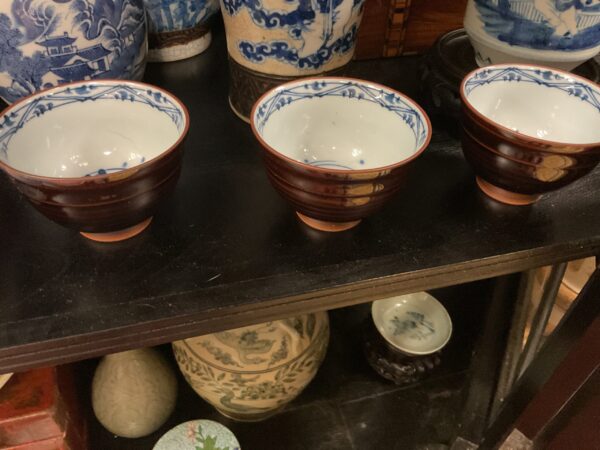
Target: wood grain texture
(428,20)
(399,27)
(372,31)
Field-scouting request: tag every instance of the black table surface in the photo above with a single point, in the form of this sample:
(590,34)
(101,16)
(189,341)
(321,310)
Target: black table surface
(227,251)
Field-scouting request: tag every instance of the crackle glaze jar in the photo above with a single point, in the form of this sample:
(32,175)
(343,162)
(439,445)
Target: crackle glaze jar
(133,392)
(48,42)
(557,33)
(273,41)
(178,29)
(250,373)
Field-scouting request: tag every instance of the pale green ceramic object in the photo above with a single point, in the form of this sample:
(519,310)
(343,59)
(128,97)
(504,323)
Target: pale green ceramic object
(198,435)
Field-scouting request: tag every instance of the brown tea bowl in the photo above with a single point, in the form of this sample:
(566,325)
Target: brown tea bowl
(95,156)
(337,148)
(528,130)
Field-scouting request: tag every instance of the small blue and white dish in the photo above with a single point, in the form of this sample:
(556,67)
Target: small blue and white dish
(96,156)
(415,324)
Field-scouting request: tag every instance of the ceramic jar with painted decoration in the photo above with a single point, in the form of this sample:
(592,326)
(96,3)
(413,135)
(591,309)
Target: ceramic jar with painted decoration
(48,42)
(274,41)
(251,373)
(178,28)
(556,33)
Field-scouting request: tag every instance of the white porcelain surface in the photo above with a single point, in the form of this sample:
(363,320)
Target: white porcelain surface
(558,34)
(416,324)
(4,379)
(96,128)
(537,102)
(341,124)
(133,392)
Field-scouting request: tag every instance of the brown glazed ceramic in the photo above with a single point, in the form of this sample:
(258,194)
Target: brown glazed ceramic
(334,199)
(515,168)
(331,200)
(111,206)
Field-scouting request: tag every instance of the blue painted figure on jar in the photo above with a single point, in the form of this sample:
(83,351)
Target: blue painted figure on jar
(566,25)
(49,42)
(292,37)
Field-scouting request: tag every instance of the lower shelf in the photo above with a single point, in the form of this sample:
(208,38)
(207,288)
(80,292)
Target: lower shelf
(347,406)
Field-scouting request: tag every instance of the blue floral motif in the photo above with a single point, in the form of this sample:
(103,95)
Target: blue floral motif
(47,42)
(565,25)
(322,28)
(170,15)
(547,78)
(348,89)
(18,117)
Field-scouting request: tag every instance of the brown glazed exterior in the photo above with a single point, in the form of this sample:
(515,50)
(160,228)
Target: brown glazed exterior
(329,196)
(109,202)
(134,195)
(518,163)
(334,196)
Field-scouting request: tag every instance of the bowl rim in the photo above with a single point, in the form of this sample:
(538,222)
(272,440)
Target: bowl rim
(108,176)
(431,299)
(516,135)
(278,154)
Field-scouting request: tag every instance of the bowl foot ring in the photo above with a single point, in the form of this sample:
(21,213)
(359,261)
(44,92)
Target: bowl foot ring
(504,196)
(120,235)
(323,225)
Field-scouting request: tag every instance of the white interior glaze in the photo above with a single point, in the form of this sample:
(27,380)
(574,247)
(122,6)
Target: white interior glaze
(384,312)
(538,111)
(81,138)
(354,134)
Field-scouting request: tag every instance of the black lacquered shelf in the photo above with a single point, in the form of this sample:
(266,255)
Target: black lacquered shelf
(227,251)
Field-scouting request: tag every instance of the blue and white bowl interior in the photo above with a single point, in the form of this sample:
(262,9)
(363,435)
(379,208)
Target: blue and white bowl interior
(339,123)
(416,324)
(537,102)
(89,128)
(174,15)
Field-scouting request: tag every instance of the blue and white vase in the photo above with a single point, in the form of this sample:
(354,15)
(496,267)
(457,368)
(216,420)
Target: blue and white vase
(48,42)
(274,41)
(178,28)
(557,33)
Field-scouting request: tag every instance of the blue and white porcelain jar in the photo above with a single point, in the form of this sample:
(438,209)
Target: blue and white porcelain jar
(274,41)
(178,28)
(48,42)
(556,33)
